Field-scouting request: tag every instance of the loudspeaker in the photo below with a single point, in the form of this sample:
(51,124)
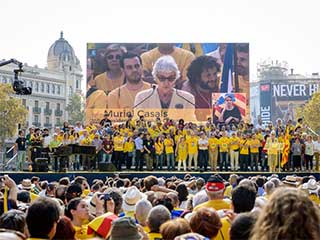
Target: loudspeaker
(106,167)
(41,165)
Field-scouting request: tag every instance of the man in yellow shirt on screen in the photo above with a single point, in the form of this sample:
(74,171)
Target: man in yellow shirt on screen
(123,96)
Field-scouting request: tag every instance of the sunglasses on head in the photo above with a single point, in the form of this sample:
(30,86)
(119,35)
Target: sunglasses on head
(163,78)
(111,57)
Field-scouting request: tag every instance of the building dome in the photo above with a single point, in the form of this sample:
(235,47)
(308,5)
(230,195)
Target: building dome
(61,53)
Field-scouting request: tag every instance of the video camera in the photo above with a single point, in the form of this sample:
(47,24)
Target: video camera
(18,85)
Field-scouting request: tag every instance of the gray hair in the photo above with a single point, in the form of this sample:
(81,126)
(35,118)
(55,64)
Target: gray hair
(165,64)
(142,210)
(269,187)
(157,216)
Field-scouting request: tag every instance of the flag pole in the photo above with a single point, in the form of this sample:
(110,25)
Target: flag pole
(235,68)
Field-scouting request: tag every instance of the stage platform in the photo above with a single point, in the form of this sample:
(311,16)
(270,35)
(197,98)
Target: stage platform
(53,176)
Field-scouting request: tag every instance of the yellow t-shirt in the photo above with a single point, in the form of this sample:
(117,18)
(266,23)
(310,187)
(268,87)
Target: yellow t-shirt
(224,230)
(213,144)
(122,97)
(234,143)
(259,136)
(272,147)
(103,82)
(315,199)
(82,232)
(118,143)
(227,192)
(60,138)
(217,204)
(96,104)
(154,133)
(168,143)
(254,145)
(128,147)
(192,143)
(182,57)
(244,149)
(155,236)
(182,152)
(159,147)
(224,144)
(177,138)
(86,141)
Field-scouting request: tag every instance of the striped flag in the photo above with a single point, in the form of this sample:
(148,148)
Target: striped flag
(239,100)
(226,85)
(286,148)
(102,224)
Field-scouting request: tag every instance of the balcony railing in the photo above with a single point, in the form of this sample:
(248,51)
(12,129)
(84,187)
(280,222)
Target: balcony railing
(36,110)
(58,113)
(47,111)
(36,124)
(48,125)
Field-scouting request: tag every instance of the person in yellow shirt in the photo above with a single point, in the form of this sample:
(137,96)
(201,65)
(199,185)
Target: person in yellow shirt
(60,136)
(123,97)
(181,153)
(223,150)
(128,152)
(244,153)
(192,143)
(85,138)
(159,150)
(114,76)
(168,144)
(118,143)
(254,151)
(272,147)
(215,190)
(154,132)
(96,104)
(78,212)
(234,151)
(213,151)
(157,216)
(243,200)
(182,57)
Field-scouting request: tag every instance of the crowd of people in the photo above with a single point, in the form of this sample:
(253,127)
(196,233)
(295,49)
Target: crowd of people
(154,208)
(138,144)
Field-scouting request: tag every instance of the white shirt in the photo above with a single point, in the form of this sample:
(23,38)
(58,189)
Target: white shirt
(203,142)
(316,145)
(46,141)
(182,104)
(309,148)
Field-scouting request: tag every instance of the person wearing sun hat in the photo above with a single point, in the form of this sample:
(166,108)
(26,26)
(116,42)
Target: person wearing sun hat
(313,188)
(215,190)
(130,199)
(27,185)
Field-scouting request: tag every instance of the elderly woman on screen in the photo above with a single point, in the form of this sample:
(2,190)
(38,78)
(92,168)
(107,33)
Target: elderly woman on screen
(164,95)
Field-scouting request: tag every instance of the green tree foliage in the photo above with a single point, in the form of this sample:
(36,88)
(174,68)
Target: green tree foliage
(75,109)
(12,112)
(311,111)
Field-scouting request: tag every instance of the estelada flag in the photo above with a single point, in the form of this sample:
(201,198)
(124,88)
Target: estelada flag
(102,225)
(286,148)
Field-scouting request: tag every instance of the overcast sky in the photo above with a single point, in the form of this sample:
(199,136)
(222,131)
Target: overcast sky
(283,30)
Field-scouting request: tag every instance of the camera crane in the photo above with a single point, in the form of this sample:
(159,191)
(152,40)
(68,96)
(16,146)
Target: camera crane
(18,84)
